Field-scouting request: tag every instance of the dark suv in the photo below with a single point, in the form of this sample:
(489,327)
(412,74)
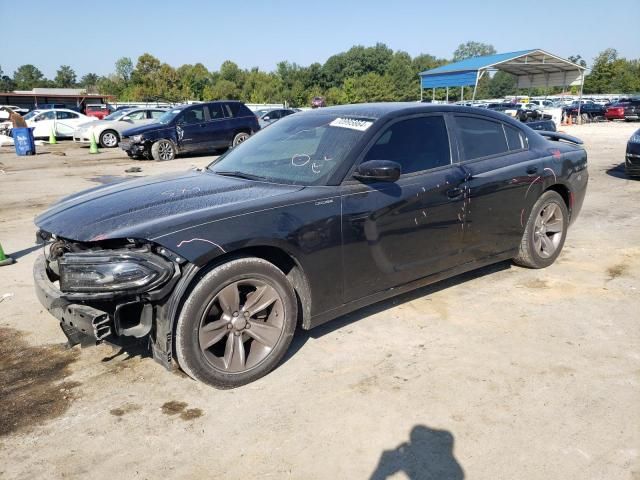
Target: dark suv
(191,128)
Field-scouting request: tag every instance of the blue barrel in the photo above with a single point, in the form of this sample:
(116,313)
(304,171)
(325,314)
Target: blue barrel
(23,139)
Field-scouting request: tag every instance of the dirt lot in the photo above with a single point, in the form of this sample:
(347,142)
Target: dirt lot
(505,373)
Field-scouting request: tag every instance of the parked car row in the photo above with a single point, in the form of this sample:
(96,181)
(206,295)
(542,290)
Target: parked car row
(108,132)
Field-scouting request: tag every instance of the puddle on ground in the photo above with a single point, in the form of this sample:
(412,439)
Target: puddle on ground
(32,386)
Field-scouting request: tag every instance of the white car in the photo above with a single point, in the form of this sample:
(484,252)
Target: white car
(60,121)
(108,131)
(21,111)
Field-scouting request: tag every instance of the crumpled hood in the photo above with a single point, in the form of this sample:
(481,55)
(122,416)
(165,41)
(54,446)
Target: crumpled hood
(150,207)
(145,128)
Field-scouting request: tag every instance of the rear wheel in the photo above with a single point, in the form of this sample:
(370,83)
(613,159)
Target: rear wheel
(545,232)
(239,138)
(236,324)
(109,139)
(163,150)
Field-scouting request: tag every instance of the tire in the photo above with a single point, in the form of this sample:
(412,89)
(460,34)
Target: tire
(109,139)
(239,138)
(217,325)
(535,251)
(163,150)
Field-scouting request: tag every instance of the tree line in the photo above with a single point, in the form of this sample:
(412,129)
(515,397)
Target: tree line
(361,74)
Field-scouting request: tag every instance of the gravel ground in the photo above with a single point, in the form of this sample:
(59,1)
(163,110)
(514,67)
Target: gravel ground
(504,373)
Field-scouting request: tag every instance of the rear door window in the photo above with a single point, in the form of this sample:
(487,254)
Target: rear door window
(215,111)
(66,115)
(417,144)
(480,137)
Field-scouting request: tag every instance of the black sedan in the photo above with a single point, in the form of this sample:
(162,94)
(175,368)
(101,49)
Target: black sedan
(632,157)
(322,213)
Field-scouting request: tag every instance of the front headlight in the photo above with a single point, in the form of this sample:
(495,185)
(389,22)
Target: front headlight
(137,138)
(111,271)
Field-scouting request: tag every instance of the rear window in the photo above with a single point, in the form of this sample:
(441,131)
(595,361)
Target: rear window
(481,138)
(515,138)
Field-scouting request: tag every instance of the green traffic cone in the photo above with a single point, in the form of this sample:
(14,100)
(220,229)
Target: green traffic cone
(4,260)
(93,146)
(52,137)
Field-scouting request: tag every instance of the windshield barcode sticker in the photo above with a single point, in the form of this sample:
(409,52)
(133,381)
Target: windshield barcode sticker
(351,123)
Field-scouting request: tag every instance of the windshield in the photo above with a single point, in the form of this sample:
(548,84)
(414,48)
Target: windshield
(297,150)
(31,114)
(259,113)
(116,115)
(166,117)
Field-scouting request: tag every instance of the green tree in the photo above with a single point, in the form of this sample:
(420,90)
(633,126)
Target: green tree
(27,77)
(502,84)
(6,83)
(89,82)
(404,78)
(472,49)
(371,87)
(222,89)
(65,77)
(124,69)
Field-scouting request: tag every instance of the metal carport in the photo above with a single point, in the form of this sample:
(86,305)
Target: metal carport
(532,68)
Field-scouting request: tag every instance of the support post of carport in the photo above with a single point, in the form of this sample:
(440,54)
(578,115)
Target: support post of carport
(580,99)
(475,87)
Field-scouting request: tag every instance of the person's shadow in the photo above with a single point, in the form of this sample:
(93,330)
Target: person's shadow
(427,456)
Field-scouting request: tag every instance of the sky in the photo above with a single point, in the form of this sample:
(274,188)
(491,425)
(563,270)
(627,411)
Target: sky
(90,35)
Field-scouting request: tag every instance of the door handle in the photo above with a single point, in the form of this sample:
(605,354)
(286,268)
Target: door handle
(454,192)
(532,170)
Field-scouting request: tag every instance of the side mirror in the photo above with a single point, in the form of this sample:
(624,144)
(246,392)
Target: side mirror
(126,118)
(378,170)
(266,118)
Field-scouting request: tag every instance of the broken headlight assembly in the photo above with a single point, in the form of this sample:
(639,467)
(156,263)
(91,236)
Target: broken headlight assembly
(112,271)
(137,138)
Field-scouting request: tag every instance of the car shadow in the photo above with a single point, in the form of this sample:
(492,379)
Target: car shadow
(427,455)
(302,336)
(23,252)
(619,172)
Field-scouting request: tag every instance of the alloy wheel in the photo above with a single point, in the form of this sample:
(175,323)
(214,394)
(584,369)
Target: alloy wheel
(165,151)
(241,138)
(109,140)
(241,325)
(548,230)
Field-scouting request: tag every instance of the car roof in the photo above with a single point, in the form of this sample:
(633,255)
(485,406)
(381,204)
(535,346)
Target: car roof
(393,109)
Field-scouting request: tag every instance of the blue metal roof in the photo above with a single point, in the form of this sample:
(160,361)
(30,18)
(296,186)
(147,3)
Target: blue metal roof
(476,63)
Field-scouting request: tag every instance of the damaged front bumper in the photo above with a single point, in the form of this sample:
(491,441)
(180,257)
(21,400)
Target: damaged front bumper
(133,148)
(80,323)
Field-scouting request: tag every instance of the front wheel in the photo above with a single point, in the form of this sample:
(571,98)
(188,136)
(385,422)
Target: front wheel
(163,150)
(109,139)
(545,232)
(236,324)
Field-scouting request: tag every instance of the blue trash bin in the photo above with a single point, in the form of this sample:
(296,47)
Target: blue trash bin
(24,141)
